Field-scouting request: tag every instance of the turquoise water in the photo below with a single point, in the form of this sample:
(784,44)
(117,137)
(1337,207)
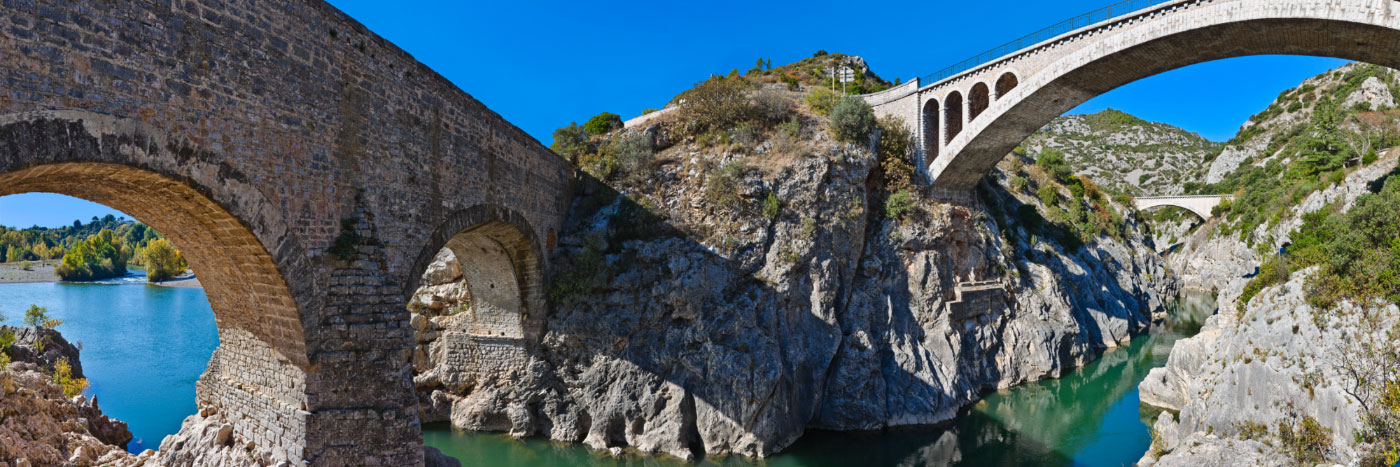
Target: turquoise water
(143,346)
(1089,417)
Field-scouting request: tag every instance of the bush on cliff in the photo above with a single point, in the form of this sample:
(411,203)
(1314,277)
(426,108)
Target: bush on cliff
(852,120)
(716,103)
(602,123)
(63,375)
(569,142)
(822,100)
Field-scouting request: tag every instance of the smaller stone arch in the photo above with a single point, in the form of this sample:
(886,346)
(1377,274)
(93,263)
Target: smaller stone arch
(952,116)
(501,262)
(931,122)
(1006,83)
(978,99)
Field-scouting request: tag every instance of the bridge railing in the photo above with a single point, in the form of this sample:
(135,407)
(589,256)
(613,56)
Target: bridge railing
(1081,21)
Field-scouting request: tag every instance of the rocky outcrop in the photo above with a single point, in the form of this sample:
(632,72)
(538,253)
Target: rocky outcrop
(700,322)
(39,425)
(28,348)
(1274,363)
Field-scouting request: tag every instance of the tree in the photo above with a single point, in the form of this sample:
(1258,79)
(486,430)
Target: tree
(717,103)
(602,123)
(36,316)
(163,261)
(569,142)
(852,120)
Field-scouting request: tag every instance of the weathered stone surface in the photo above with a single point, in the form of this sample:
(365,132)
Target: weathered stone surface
(308,169)
(721,330)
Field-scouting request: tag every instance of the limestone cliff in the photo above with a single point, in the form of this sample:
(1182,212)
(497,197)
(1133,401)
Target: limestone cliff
(735,294)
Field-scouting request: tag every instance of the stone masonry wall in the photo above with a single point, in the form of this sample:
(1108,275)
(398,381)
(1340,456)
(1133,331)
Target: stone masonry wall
(248,131)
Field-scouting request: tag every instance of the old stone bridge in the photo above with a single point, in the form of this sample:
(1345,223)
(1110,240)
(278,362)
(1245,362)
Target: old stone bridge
(970,116)
(1201,205)
(307,168)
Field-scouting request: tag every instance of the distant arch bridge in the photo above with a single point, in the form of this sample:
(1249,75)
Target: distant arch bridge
(1202,205)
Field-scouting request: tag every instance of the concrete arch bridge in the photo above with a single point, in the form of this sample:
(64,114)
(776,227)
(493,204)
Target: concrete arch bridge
(969,116)
(1201,205)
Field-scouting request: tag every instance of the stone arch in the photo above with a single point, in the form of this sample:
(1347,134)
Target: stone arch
(931,121)
(1006,83)
(501,263)
(978,99)
(1204,216)
(952,115)
(1074,72)
(256,277)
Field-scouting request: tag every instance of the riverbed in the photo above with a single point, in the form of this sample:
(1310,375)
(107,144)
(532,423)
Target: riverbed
(145,346)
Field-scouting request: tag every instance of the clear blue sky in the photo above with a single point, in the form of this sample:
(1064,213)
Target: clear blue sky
(543,64)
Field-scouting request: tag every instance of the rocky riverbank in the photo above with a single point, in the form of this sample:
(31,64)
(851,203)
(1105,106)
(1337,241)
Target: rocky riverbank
(694,321)
(39,424)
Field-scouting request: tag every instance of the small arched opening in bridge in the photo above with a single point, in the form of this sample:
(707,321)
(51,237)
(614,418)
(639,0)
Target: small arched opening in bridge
(478,307)
(953,116)
(220,224)
(931,121)
(978,99)
(1005,84)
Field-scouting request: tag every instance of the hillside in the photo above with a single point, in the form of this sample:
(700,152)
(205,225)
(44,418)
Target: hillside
(1305,265)
(1124,153)
(758,263)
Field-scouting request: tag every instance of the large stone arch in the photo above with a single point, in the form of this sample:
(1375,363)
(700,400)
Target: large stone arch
(502,263)
(1080,66)
(1006,83)
(255,275)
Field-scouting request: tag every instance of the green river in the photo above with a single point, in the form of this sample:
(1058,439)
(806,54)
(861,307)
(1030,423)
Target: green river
(1089,417)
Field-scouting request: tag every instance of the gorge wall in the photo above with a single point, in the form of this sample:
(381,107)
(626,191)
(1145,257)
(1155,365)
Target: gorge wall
(736,295)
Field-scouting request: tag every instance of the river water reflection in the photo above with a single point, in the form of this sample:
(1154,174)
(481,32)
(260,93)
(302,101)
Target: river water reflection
(1089,417)
(144,347)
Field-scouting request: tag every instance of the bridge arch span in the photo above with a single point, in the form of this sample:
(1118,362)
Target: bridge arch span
(952,115)
(978,99)
(502,263)
(236,243)
(1062,72)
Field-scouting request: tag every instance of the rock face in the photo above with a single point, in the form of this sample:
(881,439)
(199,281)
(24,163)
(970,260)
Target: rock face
(54,348)
(689,319)
(1274,364)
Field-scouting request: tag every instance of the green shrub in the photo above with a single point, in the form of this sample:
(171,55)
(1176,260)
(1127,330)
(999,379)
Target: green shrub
(1295,106)
(36,316)
(1274,271)
(722,185)
(1019,184)
(1370,157)
(772,208)
(822,100)
(1307,443)
(1049,196)
(852,120)
(27,266)
(1054,163)
(99,257)
(7,339)
(1252,430)
(716,103)
(63,375)
(633,153)
(569,142)
(899,204)
(588,273)
(602,123)
(896,154)
(771,108)
(163,261)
